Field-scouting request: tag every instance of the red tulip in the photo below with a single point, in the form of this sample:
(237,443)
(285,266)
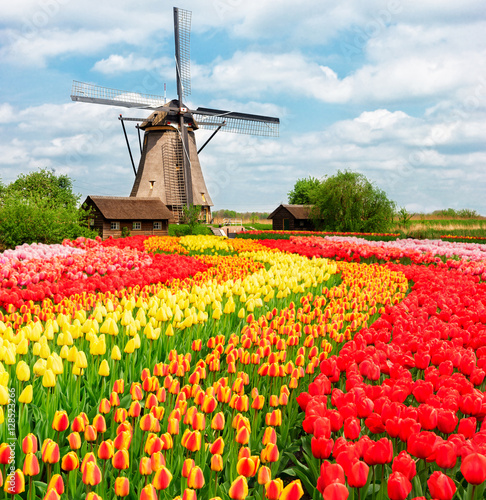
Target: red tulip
(358,475)
(473,468)
(162,478)
(405,464)
(398,486)
(336,491)
(441,487)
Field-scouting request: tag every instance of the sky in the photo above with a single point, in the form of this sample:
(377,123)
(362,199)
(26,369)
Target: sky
(392,89)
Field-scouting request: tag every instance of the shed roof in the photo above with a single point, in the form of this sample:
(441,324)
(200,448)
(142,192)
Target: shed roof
(297,211)
(131,208)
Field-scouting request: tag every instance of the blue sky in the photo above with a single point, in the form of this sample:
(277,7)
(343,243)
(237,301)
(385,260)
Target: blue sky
(393,89)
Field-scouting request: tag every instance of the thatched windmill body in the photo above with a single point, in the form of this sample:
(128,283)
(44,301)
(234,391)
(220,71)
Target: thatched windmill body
(169,166)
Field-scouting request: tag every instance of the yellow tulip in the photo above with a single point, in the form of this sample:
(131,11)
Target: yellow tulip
(104,370)
(49,379)
(26,395)
(22,371)
(130,346)
(39,367)
(23,346)
(115,353)
(4,397)
(73,354)
(81,361)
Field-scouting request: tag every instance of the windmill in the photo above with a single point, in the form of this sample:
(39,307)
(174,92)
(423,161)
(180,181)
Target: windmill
(169,165)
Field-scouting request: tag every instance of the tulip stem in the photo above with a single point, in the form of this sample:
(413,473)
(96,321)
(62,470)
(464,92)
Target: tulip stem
(473,492)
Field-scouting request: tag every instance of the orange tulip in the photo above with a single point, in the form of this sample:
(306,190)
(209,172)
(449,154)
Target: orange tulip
(162,478)
(123,440)
(269,436)
(264,475)
(70,461)
(238,489)
(217,462)
(74,440)
(248,466)
(89,457)
(50,452)
(119,386)
(90,433)
(114,399)
(173,426)
(191,440)
(187,466)
(29,444)
(91,474)
(56,483)
(145,467)
(217,447)
(122,486)
(78,424)
(157,460)
(218,422)
(273,489)
(189,494)
(6,455)
(105,405)
(243,435)
(196,478)
(14,483)
(106,450)
(61,421)
(135,409)
(293,491)
(52,495)
(149,493)
(99,423)
(270,453)
(31,465)
(121,460)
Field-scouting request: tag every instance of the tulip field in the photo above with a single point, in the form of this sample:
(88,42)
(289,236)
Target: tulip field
(205,368)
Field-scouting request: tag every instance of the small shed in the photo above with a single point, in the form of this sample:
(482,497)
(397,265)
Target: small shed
(292,218)
(119,216)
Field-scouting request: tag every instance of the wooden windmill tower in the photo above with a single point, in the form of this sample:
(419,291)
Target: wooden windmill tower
(169,166)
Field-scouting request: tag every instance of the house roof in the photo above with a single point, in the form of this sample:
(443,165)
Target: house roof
(297,211)
(131,208)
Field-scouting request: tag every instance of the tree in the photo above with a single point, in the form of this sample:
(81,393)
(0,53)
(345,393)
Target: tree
(41,207)
(303,192)
(44,184)
(190,216)
(349,202)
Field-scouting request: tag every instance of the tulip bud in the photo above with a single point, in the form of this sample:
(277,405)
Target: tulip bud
(120,460)
(56,483)
(26,395)
(195,479)
(91,474)
(238,489)
(122,486)
(29,444)
(14,483)
(70,461)
(31,465)
(162,478)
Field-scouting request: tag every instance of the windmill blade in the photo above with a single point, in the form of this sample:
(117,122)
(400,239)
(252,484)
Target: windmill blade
(240,123)
(87,92)
(182,35)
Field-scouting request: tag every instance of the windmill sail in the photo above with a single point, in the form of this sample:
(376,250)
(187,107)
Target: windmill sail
(240,123)
(87,92)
